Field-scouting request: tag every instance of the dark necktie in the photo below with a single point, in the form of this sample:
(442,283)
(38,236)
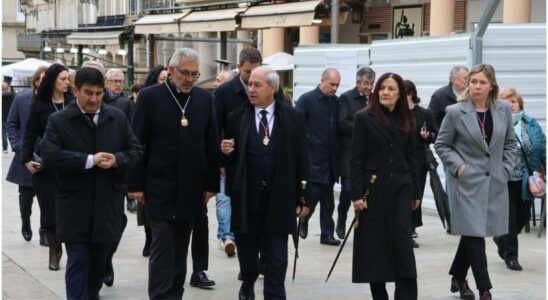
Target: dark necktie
(90,117)
(264,130)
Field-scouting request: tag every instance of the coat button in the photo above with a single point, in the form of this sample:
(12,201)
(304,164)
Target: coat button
(391,145)
(391,175)
(487,155)
(391,160)
(487,174)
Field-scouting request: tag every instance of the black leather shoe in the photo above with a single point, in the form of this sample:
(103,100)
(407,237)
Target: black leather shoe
(246,294)
(329,240)
(462,287)
(500,246)
(340,230)
(26,230)
(513,264)
(303,232)
(131,205)
(44,238)
(415,244)
(240,278)
(486,295)
(199,279)
(108,277)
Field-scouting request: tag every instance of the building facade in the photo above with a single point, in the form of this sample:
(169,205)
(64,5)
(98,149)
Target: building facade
(13,23)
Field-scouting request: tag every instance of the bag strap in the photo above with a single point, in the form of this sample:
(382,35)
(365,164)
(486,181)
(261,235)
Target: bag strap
(525,157)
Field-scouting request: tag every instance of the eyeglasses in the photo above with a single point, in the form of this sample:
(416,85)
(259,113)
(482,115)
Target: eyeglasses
(185,73)
(118,82)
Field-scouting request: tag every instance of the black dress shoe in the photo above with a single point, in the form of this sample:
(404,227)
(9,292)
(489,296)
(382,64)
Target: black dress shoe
(462,287)
(303,232)
(329,240)
(513,264)
(108,277)
(26,230)
(246,294)
(415,244)
(340,230)
(486,295)
(44,238)
(240,278)
(199,279)
(500,246)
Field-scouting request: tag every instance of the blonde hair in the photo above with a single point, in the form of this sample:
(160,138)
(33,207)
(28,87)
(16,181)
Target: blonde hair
(512,93)
(489,72)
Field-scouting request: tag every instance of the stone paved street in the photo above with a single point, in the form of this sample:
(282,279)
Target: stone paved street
(25,274)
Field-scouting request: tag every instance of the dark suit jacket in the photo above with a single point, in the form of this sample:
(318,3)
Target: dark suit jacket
(179,163)
(321,114)
(291,168)
(441,98)
(230,96)
(350,103)
(423,116)
(120,102)
(89,202)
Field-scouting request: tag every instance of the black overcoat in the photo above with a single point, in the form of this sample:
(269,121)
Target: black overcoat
(350,103)
(382,243)
(15,128)
(439,101)
(179,163)
(291,167)
(89,202)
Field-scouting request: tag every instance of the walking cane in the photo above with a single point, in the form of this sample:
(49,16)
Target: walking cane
(296,235)
(355,223)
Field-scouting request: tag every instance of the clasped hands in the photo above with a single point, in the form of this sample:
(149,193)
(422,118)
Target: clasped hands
(104,160)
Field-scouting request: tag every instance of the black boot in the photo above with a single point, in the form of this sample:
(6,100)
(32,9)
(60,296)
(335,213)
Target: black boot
(340,230)
(108,276)
(148,239)
(54,247)
(26,229)
(43,237)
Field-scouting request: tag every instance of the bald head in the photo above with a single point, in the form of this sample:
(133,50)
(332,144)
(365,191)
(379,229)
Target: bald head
(331,78)
(222,77)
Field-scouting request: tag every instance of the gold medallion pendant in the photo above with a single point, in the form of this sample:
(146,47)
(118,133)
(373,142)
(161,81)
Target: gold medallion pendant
(184,121)
(266,140)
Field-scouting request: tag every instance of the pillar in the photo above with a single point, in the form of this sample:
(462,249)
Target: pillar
(442,17)
(273,41)
(516,11)
(309,35)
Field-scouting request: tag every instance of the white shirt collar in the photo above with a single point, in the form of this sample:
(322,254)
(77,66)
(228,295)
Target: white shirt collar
(269,109)
(95,118)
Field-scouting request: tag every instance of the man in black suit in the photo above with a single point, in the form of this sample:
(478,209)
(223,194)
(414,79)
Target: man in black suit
(447,95)
(91,145)
(266,160)
(351,102)
(175,122)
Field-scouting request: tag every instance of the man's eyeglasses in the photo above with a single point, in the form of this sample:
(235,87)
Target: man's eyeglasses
(118,82)
(185,73)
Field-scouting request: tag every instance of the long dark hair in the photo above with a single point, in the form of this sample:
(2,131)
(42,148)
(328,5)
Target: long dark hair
(153,74)
(407,121)
(411,90)
(45,90)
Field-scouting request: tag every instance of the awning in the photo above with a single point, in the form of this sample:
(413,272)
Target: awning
(158,24)
(293,14)
(211,20)
(94,38)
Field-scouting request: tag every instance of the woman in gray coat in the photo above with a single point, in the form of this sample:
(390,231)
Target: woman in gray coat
(476,142)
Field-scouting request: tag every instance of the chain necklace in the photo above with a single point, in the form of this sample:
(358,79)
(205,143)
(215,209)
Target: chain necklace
(483,126)
(184,120)
(55,106)
(266,127)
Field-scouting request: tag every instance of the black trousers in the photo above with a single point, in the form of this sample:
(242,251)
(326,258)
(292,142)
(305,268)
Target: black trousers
(344,200)
(416,215)
(200,243)
(111,249)
(406,289)
(322,193)
(520,214)
(45,187)
(84,274)
(26,198)
(273,250)
(167,261)
(471,253)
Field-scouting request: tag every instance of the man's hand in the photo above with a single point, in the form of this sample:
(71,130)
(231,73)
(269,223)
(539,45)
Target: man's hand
(138,196)
(227,146)
(208,195)
(360,204)
(416,203)
(424,133)
(108,161)
(460,170)
(32,166)
(302,212)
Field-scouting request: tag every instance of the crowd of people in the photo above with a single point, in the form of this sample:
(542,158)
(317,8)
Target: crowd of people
(82,147)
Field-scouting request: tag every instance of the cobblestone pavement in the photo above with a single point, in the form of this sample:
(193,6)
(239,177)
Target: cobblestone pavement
(25,274)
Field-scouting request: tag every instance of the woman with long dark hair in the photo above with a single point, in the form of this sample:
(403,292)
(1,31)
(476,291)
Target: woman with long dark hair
(477,144)
(382,146)
(53,95)
(156,75)
(424,133)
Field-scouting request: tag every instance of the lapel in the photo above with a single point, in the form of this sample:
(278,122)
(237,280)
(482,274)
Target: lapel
(469,118)
(379,127)
(104,116)
(497,113)
(81,123)
(238,87)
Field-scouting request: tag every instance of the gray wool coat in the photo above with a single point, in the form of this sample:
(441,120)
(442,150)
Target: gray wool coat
(478,198)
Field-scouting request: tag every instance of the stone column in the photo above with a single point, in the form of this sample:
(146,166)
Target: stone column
(309,35)
(442,17)
(517,11)
(273,41)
